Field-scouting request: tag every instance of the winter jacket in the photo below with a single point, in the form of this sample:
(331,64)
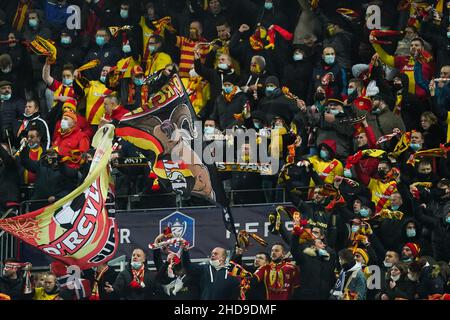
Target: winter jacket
(12,287)
(296,77)
(223,111)
(342,134)
(411,106)
(308,23)
(342,44)
(317,272)
(10,110)
(9,180)
(278,105)
(430,282)
(108,56)
(214,284)
(34,120)
(403,289)
(336,85)
(76,140)
(124,291)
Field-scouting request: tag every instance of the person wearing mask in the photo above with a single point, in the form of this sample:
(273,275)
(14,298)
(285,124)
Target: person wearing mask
(11,108)
(325,163)
(215,282)
(135,282)
(33,141)
(397,285)
(297,73)
(355,96)
(157,58)
(341,40)
(68,51)
(103,50)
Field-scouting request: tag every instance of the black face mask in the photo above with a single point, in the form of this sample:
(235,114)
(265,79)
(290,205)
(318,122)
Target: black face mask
(382,174)
(319,96)
(397,86)
(424,177)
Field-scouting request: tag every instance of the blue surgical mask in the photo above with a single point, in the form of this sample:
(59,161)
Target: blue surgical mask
(138,81)
(123,14)
(410,233)
(152,48)
(33,146)
(324,154)
(126,48)
(99,40)
(322,252)
(5,96)
(364,212)
(395,207)
(298,57)
(350,91)
(347,173)
(257,125)
(415,146)
(67,82)
(208,130)
(268,5)
(33,23)
(223,66)
(269,91)
(334,112)
(103,79)
(329,59)
(447,219)
(355,229)
(227,89)
(448,34)
(136,265)
(66,40)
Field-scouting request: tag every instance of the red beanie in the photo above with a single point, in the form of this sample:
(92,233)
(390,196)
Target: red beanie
(415,249)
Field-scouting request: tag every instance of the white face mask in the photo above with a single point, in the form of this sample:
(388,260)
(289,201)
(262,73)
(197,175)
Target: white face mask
(215,264)
(193,74)
(387,264)
(395,278)
(65,124)
(411,277)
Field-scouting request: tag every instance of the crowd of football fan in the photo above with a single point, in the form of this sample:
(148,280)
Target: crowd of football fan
(358,119)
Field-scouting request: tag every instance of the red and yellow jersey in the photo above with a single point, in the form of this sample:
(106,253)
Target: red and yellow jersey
(381,193)
(199,92)
(95,94)
(60,90)
(187,54)
(35,155)
(157,62)
(280,279)
(327,170)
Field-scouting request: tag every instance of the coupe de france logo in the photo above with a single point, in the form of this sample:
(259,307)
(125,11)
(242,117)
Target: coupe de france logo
(182,226)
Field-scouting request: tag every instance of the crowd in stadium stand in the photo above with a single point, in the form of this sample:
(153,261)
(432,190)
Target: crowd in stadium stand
(358,118)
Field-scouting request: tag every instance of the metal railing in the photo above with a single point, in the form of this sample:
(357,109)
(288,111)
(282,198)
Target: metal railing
(8,243)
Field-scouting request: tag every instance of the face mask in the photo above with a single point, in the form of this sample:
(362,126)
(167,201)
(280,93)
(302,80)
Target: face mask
(347,173)
(382,174)
(395,207)
(448,33)
(355,228)
(193,74)
(100,40)
(395,278)
(33,23)
(222,66)
(269,91)
(126,48)
(334,112)
(415,146)
(215,264)
(350,91)
(322,252)
(66,40)
(324,154)
(411,277)
(5,96)
(208,130)
(329,59)
(7,70)
(227,90)
(123,14)
(136,265)
(257,125)
(65,124)
(397,86)
(298,57)
(268,5)
(364,212)
(67,82)
(410,233)
(319,96)
(138,81)
(151,48)
(33,146)
(387,264)
(102,79)
(277,126)
(447,219)
(376,111)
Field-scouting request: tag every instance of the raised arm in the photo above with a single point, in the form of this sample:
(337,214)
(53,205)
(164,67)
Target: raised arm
(48,79)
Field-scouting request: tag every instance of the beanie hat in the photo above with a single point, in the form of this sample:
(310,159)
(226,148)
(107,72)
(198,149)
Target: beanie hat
(231,78)
(415,249)
(71,104)
(274,80)
(363,254)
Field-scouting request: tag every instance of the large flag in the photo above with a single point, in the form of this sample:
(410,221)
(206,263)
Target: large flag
(76,229)
(165,129)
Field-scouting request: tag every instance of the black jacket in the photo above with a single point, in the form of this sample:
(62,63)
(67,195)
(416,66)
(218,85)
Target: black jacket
(12,287)
(108,56)
(10,110)
(296,77)
(224,111)
(9,179)
(278,104)
(214,284)
(35,120)
(404,289)
(411,106)
(317,272)
(124,291)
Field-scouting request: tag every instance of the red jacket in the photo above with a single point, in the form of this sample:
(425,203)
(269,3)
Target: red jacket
(117,114)
(74,140)
(81,123)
